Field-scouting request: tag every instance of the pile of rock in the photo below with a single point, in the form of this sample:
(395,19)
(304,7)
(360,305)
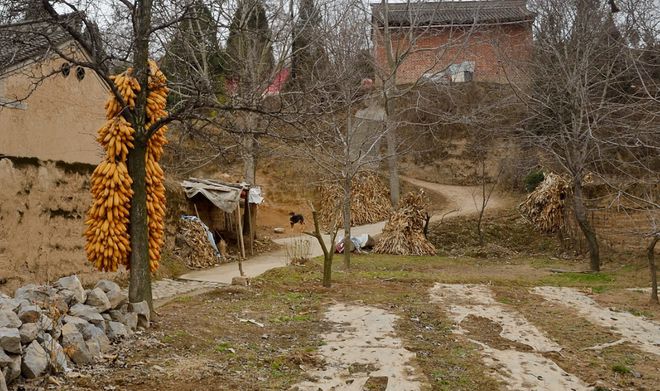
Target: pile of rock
(47,329)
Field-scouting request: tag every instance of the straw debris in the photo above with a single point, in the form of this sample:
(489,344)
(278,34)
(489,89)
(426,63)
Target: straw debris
(545,206)
(404,232)
(193,246)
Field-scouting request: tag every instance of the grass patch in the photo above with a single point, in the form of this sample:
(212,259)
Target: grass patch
(291,318)
(599,282)
(621,369)
(223,347)
(176,336)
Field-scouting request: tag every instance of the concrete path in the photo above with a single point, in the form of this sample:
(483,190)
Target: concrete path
(254,267)
(459,197)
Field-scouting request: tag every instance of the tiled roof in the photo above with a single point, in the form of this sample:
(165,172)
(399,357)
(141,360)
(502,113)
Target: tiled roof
(26,41)
(453,13)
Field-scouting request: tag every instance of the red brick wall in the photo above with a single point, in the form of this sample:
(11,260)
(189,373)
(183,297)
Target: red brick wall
(494,49)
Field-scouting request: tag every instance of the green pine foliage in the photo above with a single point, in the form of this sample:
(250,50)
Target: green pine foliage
(249,51)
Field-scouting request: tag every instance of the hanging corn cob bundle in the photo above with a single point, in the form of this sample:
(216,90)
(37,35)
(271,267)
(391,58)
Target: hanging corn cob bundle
(156,102)
(108,243)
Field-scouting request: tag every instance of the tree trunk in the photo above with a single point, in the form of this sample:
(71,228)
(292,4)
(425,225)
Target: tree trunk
(346,214)
(393,167)
(139,288)
(250,160)
(140,276)
(652,269)
(585,226)
(250,149)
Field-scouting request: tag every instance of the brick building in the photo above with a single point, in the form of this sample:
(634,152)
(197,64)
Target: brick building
(453,40)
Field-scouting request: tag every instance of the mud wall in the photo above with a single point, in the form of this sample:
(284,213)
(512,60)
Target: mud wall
(42,210)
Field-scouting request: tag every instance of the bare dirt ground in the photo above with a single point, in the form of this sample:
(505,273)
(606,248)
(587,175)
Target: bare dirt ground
(275,334)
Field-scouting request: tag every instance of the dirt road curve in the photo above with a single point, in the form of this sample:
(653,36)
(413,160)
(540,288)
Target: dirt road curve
(461,198)
(461,202)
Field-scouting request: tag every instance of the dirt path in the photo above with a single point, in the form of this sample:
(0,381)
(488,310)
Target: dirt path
(461,198)
(511,346)
(362,352)
(638,331)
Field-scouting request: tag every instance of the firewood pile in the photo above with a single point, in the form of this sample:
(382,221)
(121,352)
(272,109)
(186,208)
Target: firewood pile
(544,207)
(404,232)
(193,246)
(370,201)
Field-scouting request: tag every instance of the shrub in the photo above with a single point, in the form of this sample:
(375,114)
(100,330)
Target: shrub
(533,179)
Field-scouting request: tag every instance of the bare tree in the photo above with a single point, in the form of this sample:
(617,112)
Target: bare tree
(125,33)
(426,44)
(329,134)
(580,93)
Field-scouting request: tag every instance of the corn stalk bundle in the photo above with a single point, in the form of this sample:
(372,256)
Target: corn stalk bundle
(544,207)
(194,246)
(404,232)
(370,201)
(108,241)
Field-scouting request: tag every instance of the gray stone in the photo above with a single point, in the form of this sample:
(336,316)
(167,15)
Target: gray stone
(3,384)
(117,298)
(35,361)
(9,319)
(58,302)
(130,320)
(10,340)
(143,312)
(9,304)
(29,313)
(5,360)
(28,332)
(107,286)
(45,323)
(86,312)
(93,347)
(72,289)
(74,345)
(95,335)
(97,299)
(73,319)
(117,330)
(36,294)
(116,315)
(102,326)
(13,370)
(58,361)
(106,316)
(56,332)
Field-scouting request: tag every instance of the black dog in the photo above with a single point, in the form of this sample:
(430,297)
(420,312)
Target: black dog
(296,218)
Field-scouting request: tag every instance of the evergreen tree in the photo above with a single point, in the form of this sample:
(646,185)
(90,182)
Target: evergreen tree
(249,50)
(195,50)
(307,56)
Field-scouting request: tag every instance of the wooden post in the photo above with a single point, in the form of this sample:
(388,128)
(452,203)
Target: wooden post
(248,210)
(240,232)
